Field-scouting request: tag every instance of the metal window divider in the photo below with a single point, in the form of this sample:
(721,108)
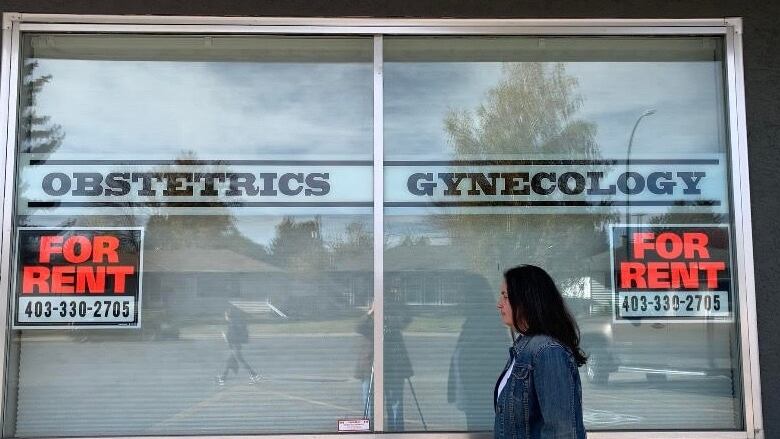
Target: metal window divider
(378,215)
(9,93)
(742,230)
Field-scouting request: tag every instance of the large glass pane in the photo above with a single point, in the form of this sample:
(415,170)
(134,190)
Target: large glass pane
(246,162)
(508,150)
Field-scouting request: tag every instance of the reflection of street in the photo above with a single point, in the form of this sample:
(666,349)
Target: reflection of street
(630,401)
(168,387)
(604,419)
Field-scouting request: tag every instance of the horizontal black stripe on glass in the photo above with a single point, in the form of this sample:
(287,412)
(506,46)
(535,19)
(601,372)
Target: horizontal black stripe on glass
(550,162)
(205,162)
(549,203)
(33,204)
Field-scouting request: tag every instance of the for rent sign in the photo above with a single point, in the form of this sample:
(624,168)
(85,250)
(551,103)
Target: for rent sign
(671,272)
(78,277)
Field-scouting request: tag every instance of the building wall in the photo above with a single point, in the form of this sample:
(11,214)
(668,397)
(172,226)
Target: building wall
(762,72)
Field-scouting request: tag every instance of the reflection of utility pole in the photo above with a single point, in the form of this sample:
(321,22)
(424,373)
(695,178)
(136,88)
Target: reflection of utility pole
(648,112)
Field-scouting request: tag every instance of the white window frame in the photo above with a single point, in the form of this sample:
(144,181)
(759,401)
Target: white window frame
(13,24)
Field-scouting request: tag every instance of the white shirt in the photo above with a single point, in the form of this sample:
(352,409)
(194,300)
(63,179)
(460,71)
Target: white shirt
(504,379)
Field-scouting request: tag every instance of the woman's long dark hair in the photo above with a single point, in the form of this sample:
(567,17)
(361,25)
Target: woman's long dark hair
(536,301)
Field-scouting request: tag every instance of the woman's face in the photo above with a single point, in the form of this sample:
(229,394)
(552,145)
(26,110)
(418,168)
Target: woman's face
(504,309)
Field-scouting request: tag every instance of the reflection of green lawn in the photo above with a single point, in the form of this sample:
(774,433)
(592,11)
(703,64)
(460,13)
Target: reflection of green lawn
(419,324)
(435,324)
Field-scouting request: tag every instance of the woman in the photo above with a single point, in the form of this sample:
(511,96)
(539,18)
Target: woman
(539,393)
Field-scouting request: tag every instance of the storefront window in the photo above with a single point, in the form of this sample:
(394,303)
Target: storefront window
(234,138)
(529,151)
(193,230)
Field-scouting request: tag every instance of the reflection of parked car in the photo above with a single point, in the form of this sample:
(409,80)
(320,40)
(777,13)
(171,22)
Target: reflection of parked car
(656,349)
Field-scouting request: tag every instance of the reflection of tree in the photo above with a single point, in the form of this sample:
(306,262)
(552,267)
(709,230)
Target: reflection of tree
(356,238)
(38,133)
(705,214)
(532,110)
(171,237)
(167,229)
(323,278)
(298,246)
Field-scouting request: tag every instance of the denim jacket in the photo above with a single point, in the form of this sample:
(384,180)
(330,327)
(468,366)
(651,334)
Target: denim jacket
(542,398)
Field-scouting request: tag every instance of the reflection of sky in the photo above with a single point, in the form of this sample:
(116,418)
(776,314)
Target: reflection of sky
(210,108)
(325,109)
(686,96)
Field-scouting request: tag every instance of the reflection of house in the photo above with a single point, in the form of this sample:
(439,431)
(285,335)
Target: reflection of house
(193,283)
(200,282)
(354,274)
(425,274)
(188,282)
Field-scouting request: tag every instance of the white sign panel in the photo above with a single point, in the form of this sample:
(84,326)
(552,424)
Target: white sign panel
(353,425)
(556,186)
(83,186)
(674,304)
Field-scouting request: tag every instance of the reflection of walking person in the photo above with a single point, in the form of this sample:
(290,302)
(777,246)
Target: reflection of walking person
(235,335)
(398,367)
(365,359)
(479,350)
